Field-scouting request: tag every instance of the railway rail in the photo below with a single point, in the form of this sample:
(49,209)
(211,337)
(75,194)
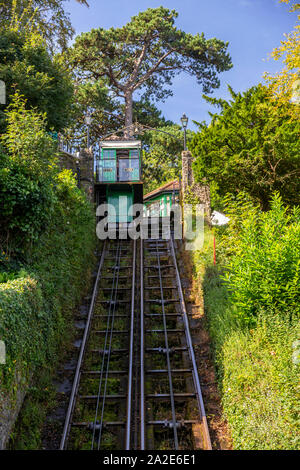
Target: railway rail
(136,385)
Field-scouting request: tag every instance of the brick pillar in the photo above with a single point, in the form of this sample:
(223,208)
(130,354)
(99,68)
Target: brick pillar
(86,164)
(200,190)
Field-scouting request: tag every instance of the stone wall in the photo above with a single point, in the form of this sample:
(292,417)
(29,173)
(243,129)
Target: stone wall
(9,411)
(199,190)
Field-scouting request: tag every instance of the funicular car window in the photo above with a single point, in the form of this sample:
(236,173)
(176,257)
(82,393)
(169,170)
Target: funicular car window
(107,166)
(129,169)
(118,164)
(108,154)
(134,153)
(107,170)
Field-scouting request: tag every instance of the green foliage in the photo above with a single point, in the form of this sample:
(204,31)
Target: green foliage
(46,16)
(27,141)
(146,113)
(39,399)
(162,155)
(264,270)
(27,67)
(48,224)
(258,379)
(107,113)
(34,309)
(261,385)
(10,276)
(251,146)
(72,235)
(27,176)
(257,364)
(21,325)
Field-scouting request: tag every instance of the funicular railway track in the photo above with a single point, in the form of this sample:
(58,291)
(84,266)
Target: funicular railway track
(136,385)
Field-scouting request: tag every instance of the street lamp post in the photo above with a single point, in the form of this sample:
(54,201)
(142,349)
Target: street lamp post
(184,122)
(88,122)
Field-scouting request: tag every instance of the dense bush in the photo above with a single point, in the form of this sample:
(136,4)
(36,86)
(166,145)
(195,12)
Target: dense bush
(252,145)
(34,310)
(264,270)
(22,321)
(257,371)
(47,231)
(27,177)
(251,301)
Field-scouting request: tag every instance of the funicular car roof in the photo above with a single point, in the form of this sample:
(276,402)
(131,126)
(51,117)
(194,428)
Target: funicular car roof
(121,144)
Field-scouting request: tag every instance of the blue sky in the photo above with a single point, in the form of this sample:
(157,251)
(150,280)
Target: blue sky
(252,28)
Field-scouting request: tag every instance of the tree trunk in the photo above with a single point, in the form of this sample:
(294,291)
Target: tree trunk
(128,114)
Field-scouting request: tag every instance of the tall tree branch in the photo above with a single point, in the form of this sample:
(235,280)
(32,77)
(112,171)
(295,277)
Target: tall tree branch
(153,69)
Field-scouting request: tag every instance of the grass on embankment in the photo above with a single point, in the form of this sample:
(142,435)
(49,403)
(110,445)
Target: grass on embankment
(256,364)
(258,380)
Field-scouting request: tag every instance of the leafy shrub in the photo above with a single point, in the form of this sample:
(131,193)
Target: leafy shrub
(253,319)
(27,177)
(263,271)
(34,310)
(10,276)
(27,140)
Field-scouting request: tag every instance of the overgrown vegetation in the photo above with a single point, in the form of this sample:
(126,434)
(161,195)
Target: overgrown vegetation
(47,242)
(47,225)
(46,16)
(252,145)
(264,267)
(249,154)
(284,86)
(252,305)
(27,67)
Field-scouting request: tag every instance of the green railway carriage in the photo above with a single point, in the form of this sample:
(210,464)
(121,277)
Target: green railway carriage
(158,203)
(118,178)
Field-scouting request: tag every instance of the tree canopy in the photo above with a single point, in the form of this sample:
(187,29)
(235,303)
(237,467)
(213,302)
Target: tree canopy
(46,16)
(162,155)
(251,146)
(26,66)
(285,85)
(145,55)
(107,114)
